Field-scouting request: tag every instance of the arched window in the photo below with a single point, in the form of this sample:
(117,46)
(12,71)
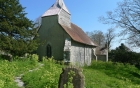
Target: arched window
(49,51)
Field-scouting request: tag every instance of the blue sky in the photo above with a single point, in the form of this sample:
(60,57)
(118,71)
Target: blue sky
(84,13)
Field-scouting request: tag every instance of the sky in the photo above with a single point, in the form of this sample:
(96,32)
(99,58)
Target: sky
(84,13)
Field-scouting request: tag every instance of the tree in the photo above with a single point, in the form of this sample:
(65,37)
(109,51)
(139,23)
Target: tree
(127,17)
(124,55)
(17,32)
(97,36)
(109,37)
(124,48)
(104,40)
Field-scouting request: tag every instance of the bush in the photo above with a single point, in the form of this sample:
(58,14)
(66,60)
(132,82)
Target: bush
(124,55)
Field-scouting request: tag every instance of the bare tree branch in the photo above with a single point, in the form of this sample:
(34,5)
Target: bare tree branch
(127,17)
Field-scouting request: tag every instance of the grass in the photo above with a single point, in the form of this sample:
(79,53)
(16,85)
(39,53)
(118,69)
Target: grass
(45,77)
(111,75)
(9,70)
(98,75)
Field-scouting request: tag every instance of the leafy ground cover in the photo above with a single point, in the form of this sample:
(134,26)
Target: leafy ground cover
(34,75)
(45,77)
(111,75)
(98,75)
(9,70)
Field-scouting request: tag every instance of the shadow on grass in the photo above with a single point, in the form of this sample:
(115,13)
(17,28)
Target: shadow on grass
(136,75)
(138,66)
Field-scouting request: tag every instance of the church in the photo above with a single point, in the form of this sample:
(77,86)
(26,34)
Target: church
(62,39)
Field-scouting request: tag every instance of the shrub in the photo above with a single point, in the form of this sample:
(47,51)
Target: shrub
(124,55)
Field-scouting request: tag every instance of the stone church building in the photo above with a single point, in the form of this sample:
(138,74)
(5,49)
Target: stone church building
(62,39)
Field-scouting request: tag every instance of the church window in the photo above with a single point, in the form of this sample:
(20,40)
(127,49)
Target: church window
(49,51)
(67,56)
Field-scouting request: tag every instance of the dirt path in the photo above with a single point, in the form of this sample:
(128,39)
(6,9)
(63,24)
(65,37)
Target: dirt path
(19,82)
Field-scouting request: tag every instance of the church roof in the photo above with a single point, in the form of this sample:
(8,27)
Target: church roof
(78,35)
(56,8)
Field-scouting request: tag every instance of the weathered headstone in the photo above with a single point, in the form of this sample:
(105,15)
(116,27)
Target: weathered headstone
(78,78)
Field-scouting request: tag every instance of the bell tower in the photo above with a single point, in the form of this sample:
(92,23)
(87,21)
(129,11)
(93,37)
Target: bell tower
(59,9)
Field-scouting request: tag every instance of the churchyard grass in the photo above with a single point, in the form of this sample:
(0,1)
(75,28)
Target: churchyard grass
(46,76)
(111,75)
(9,70)
(98,75)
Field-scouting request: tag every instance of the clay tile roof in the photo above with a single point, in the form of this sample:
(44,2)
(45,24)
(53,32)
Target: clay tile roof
(77,34)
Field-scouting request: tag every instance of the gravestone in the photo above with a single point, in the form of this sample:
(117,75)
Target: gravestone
(78,77)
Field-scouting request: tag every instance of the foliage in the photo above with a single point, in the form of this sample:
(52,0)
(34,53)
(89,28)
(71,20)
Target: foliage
(124,55)
(16,30)
(111,75)
(126,16)
(69,84)
(45,77)
(34,58)
(46,74)
(99,74)
(8,71)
